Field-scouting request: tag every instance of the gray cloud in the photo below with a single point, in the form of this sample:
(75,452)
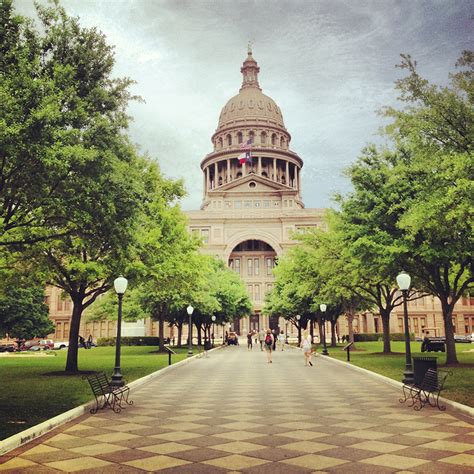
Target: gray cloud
(328,64)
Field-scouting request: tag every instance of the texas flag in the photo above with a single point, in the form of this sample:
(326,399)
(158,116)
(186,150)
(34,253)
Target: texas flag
(245,157)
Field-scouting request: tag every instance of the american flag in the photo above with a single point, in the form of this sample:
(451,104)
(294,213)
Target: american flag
(247,145)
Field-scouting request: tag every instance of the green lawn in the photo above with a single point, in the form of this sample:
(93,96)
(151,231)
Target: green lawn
(28,396)
(459,387)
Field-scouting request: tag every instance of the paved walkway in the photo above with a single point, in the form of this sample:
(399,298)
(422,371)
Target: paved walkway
(233,412)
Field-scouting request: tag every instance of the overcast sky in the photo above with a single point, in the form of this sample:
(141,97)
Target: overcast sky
(328,64)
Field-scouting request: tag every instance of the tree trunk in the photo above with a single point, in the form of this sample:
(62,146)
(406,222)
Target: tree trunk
(385,315)
(161,333)
(180,333)
(71,361)
(199,334)
(333,333)
(451,356)
(350,319)
(311,330)
(320,328)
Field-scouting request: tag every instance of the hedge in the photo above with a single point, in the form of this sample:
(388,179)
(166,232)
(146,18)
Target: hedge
(378,336)
(130,341)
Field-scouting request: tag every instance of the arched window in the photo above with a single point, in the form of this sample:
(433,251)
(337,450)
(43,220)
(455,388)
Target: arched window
(263,138)
(239,137)
(252,137)
(283,180)
(274,139)
(229,139)
(239,174)
(282,142)
(265,174)
(219,143)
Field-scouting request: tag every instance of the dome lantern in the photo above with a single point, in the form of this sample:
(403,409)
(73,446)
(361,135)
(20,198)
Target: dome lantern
(250,71)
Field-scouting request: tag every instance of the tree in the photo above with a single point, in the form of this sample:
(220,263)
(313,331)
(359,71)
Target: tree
(24,314)
(62,114)
(412,205)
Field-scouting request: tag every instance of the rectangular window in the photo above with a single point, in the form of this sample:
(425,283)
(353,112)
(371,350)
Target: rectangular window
(231,263)
(205,235)
(400,325)
(249,267)
(60,303)
(256,266)
(257,292)
(269,265)
(238,204)
(237,265)
(266,203)
(195,232)
(247,204)
(249,291)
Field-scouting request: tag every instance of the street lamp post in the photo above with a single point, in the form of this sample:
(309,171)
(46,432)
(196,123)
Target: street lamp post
(403,281)
(120,285)
(213,321)
(298,317)
(190,310)
(223,338)
(323,308)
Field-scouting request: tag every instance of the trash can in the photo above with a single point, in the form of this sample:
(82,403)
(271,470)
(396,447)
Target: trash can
(421,364)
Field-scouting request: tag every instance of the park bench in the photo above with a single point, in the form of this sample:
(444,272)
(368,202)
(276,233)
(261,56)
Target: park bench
(427,392)
(433,344)
(107,395)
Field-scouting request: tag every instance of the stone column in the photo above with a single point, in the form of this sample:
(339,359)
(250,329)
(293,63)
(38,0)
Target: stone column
(244,173)
(228,170)
(274,169)
(259,169)
(208,180)
(216,175)
(296,178)
(287,175)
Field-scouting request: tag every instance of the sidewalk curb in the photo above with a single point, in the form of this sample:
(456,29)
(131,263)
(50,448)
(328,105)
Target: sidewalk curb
(458,407)
(36,431)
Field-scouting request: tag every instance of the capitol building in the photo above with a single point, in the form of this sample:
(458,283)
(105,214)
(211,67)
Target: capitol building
(251,207)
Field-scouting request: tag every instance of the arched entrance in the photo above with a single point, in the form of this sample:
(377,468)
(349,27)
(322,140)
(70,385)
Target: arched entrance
(254,260)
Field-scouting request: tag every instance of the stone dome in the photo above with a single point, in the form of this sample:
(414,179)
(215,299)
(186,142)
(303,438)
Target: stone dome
(250,105)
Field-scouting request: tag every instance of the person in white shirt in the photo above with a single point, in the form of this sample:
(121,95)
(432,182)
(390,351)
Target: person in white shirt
(307,346)
(281,339)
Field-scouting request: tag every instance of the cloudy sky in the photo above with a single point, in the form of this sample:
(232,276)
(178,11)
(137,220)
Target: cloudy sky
(328,64)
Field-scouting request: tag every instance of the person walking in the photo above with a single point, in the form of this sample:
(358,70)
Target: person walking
(261,338)
(281,339)
(269,345)
(307,348)
(274,335)
(249,341)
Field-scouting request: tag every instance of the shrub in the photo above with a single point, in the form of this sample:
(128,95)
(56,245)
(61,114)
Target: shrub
(130,341)
(366,337)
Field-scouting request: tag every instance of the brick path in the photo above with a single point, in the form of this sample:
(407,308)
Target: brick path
(233,412)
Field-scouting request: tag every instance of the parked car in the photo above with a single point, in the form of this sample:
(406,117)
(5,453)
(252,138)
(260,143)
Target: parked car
(463,338)
(38,344)
(61,345)
(232,339)
(7,347)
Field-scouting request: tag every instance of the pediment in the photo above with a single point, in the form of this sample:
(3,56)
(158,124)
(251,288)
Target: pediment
(242,184)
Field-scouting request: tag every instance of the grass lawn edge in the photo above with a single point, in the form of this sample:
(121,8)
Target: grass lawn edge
(30,434)
(459,407)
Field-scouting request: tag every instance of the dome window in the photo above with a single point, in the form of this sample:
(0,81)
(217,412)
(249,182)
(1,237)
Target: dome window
(282,142)
(274,139)
(229,139)
(263,138)
(219,143)
(240,137)
(251,137)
